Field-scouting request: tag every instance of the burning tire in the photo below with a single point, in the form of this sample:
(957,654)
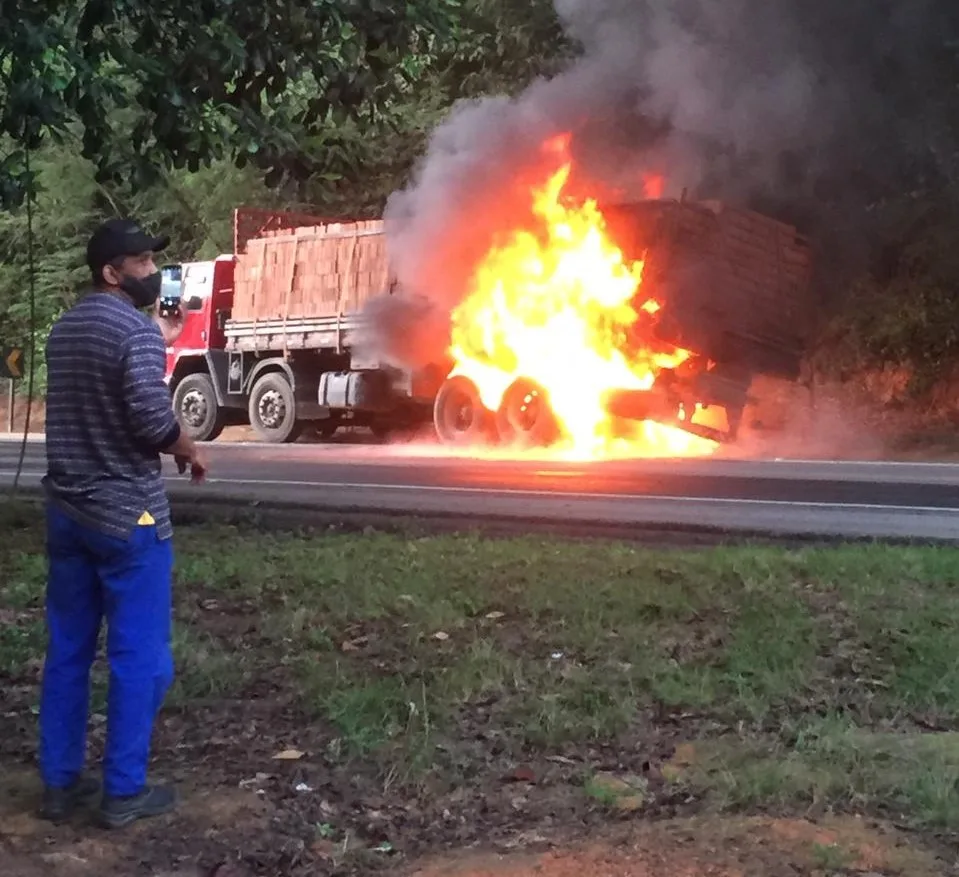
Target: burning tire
(459,416)
(524,416)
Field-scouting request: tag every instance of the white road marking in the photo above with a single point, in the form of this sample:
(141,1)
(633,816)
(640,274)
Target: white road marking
(552,494)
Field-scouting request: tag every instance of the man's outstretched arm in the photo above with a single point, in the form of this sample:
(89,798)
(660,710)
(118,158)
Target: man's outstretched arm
(148,404)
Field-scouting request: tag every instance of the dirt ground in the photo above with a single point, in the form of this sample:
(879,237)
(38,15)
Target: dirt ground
(700,846)
(37,412)
(715,847)
(248,810)
(352,704)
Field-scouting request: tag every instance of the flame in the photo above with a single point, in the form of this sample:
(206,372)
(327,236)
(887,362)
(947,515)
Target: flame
(555,303)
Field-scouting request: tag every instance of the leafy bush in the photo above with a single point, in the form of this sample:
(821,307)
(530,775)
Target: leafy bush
(904,311)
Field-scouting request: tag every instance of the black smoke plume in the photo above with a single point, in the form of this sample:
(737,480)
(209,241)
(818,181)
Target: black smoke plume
(812,110)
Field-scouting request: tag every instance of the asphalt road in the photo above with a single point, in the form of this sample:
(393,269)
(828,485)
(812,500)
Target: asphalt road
(803,498)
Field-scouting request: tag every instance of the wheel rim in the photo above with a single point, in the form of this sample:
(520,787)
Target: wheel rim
(461,412)
(527,411)
(271,409)
(194,409)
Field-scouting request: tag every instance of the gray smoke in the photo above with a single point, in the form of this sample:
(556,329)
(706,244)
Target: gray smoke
(767,103)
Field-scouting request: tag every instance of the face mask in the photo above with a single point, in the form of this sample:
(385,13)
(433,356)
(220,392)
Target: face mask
(143,290)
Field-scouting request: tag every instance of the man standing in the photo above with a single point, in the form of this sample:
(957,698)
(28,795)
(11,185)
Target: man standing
(109,418)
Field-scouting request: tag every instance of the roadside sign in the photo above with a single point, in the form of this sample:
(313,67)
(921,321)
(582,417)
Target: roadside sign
(11,363)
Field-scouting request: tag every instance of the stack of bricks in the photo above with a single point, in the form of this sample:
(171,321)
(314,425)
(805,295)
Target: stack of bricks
(767,268)
(311,272)
(761,267)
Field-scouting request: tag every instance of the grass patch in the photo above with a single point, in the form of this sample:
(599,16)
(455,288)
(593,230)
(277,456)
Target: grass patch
(205,666)
(833,761)
(411,648)
(832,857)
(22,640)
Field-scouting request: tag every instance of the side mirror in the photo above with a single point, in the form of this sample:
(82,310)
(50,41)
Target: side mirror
(194,303)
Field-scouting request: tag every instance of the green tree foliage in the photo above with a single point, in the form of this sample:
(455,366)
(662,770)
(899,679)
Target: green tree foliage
(903,311)
(165,113)
(499,46)
(194,208)
(178,112)
(198,80)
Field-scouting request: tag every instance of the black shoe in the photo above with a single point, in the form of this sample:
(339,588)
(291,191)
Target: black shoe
(152,801)
(59,804)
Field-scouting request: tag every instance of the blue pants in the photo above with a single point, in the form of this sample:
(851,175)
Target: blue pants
(93,577)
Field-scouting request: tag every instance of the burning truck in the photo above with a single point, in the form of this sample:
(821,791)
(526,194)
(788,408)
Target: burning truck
(640,324)
(587,326)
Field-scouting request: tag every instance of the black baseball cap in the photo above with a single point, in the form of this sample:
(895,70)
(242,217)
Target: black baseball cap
(117,238)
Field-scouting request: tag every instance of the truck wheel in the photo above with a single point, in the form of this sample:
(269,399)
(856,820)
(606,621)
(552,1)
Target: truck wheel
(273,409)
(459,416)
(194,402)
(524,416)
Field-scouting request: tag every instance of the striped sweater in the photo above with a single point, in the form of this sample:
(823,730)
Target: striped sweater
(108,414)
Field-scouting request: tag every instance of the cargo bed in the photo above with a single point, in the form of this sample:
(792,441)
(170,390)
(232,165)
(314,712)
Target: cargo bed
(734,283)
(303,333)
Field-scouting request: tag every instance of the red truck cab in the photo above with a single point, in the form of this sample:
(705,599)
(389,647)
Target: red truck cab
(206,297)
(205,291)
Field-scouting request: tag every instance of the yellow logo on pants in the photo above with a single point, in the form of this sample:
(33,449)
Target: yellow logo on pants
(146,520)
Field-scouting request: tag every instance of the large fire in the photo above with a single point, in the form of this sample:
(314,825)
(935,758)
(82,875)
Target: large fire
(555,304)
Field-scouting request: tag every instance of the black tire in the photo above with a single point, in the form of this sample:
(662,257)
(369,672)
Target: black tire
(200,415)
(524,417)
(459,416)
(272,409)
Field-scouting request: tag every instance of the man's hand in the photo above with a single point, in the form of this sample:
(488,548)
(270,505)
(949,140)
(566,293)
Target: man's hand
(171,325)
(197,463)
(186,452)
